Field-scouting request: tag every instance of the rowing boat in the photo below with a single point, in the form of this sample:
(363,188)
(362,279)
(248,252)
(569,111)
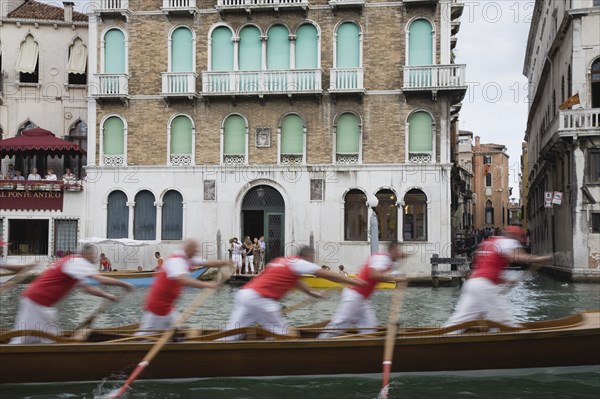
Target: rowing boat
(571,341)
(318,282)
(144,278)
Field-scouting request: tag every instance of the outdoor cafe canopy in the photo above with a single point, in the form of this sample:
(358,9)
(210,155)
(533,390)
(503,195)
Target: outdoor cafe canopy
(38,141)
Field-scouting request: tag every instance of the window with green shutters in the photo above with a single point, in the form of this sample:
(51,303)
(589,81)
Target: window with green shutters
(182,50)
(307,47)
(347,46)
(420,46)
(234,139)
(113,140)
(221,49)
(144,216)
(292,139)
(181,141)
(278,47)
(420,136)
(114,52)
(250,51)
(347,141)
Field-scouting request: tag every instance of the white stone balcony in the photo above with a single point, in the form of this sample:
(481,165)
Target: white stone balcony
(418,2)
(111,86)
(301,81)
(347,158)
(420,157)
(112,7)
(346,80)
(249,5)
(179,84)
(347,3)
(456,8)
(579,122)
(179,7)
(434,78)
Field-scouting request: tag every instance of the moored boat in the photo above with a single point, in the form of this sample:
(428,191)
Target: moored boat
(144,278)
(318,282)
(571,341)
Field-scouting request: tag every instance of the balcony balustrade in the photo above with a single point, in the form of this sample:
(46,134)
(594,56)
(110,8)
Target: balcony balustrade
(111,86)
(179,84)
(346,80)
(302,81)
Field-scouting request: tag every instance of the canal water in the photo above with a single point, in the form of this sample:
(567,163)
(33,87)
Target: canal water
(535,297)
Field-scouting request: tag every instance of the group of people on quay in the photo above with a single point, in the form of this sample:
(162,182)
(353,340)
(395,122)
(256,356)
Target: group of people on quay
(257,302)
(247,256)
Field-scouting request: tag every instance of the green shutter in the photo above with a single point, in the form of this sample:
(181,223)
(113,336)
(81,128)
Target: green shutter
(292,132)
(181,135)
(114,51)
(182,50)
(114,136)
(250,49)
(307,47)
(347,134)
(278,48)
(420,134)
(222,49)
(235,136)
(420,43)
(348,46)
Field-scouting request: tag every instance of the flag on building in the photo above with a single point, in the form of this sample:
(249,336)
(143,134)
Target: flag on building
(573,100)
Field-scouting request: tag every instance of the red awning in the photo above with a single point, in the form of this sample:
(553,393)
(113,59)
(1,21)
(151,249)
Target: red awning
(38,142)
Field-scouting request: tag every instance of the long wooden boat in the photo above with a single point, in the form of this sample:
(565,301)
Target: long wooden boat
(5,276)
(318,282)
(571,341)
(144,278)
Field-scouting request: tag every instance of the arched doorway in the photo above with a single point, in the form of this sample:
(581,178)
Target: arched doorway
(263,214)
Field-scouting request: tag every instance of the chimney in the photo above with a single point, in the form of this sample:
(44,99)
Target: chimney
(477,144)
(68,5)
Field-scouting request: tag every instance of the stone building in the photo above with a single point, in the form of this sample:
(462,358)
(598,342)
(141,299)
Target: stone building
(225,118)
(43,76)
(562,64)
(490,185)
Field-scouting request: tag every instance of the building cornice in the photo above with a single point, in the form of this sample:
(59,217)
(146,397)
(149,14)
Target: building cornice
(531,39)
(41,22)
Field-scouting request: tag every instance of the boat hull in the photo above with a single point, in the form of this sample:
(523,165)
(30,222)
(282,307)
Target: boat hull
(144,278)
(321,283)
(546,347)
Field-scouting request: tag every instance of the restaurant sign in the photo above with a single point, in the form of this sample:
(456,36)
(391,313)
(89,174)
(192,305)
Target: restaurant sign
(31,200)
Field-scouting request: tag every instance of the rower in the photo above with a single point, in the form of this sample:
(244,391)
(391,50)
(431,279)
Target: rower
(257,301)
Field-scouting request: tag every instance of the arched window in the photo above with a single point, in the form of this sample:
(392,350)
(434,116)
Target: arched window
(181,141)
(307,47)
(347,138)
(414,220)
(489,212)
(78,135)
(420,137)
(172,216)
(569,81)
(26,126)
(234,140)
(292,140)
(562,89)
(114,52)
(221,49)
(113,141)
(347,58)
(420,43)
(278,47)
(250,58)
(28,61)
(488,180)
(355,216)
(554,109)
(117,215)
(77,63)
(144,216)
(182,50)
(387,215)
(596,84)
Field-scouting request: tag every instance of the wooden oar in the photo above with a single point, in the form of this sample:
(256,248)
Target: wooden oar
(390,337)
(289,309)
(22,275)
(196,303)
(82,331)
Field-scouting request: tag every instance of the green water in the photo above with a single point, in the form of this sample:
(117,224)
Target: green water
(534,298)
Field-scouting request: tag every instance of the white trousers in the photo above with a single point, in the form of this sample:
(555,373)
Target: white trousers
(151,321)
(33,316)
(237,261)
(251,308)
(250,263)
(481,299)
(353,310)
